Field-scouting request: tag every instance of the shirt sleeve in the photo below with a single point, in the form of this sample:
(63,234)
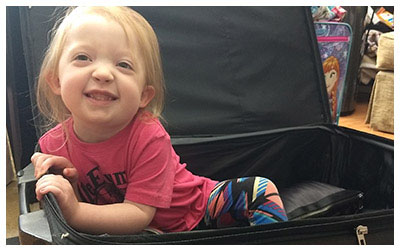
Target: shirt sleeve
(151,176)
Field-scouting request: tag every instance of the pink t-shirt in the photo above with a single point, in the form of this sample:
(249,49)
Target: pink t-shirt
(137,164)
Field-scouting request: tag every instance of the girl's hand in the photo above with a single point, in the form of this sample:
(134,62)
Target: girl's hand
(56,165)
(63,191)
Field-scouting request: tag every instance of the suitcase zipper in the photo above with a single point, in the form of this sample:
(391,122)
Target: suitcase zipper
(360,232)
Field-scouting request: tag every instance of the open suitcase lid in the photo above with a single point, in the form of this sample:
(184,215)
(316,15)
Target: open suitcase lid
(228,70)
(232,70)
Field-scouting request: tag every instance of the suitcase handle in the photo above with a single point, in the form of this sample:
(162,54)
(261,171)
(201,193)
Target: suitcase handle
(26,188)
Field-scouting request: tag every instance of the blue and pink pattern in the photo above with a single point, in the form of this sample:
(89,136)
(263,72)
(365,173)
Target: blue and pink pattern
(243,202)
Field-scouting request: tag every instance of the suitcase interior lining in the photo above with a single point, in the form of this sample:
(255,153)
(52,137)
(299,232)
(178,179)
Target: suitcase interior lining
(326,154)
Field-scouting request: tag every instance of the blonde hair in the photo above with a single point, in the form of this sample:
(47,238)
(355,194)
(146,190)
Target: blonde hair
(134,25)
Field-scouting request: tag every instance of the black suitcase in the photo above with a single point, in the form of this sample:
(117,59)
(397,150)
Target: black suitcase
(246,96)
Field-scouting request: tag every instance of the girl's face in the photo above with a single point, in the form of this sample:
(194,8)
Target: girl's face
(330,79)
(98,80)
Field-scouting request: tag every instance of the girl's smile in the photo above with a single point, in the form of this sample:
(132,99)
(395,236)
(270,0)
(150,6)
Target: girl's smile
(100,97)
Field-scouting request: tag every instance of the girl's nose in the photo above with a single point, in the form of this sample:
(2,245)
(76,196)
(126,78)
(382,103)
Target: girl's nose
(103,74)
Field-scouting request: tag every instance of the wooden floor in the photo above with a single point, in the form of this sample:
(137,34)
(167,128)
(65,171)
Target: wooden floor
(355,121)
(12,210)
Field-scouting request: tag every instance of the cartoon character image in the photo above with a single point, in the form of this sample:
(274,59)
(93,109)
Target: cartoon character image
(332,72)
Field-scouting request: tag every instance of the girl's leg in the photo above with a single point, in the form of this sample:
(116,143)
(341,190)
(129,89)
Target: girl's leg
(244,201)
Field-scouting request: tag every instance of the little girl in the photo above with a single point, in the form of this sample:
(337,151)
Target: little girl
(114,168)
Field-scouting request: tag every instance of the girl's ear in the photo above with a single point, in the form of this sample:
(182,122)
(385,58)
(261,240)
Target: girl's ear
(147,95)
(54,83)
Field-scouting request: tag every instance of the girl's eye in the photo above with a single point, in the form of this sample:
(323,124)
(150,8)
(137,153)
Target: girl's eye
(82,58)
(125,65)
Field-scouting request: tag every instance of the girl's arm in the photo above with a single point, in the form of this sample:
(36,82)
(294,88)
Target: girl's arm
(120,218)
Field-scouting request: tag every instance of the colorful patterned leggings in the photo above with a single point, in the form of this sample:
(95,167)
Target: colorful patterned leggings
(243,202)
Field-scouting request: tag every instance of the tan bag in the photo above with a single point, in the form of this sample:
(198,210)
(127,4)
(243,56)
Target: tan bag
(381,104)
(385,53)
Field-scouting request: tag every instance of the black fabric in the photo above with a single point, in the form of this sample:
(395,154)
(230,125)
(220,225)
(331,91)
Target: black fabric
(20,127)
(327,154)
(329,230)
(355,18)
(315,199)
(228,70)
